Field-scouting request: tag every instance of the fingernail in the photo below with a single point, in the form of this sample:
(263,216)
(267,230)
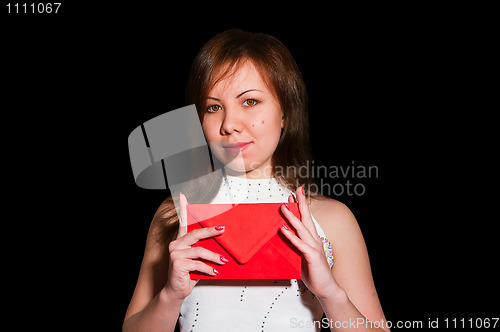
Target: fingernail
(216,272)
(302,190)
(224,259)
(219,228)
(288,208)
(285,226)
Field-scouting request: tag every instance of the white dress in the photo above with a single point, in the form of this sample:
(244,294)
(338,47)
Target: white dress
(252,305)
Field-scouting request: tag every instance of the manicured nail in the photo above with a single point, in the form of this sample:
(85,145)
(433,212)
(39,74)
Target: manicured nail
(216,272)
(285,226)
(219,228)
(224,259)
(288,208)
(302,190)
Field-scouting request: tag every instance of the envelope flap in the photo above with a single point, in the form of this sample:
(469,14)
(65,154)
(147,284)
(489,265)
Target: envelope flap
(248,226)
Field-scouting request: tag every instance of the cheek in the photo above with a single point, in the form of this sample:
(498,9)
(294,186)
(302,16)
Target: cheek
(253,124)
(267,129)
(206,131)
(210,130)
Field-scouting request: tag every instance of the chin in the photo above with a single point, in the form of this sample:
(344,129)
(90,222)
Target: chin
(253,170)
(239,166)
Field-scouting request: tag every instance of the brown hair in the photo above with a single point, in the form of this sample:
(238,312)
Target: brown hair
(221,57)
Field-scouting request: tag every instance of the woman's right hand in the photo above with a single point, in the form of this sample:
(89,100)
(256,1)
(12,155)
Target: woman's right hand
(183,257)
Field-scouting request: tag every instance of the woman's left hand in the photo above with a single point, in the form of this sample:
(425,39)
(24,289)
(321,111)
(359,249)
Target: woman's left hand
(316,272)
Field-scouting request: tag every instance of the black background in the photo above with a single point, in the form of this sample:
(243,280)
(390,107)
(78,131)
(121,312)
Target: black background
(403,89)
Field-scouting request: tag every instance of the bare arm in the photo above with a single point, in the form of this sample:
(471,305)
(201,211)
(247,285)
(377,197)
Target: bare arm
(357,300)
(346,292)
(164,279)
(151,307)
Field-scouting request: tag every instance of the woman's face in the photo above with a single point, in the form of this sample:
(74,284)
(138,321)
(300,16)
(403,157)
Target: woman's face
(242,123)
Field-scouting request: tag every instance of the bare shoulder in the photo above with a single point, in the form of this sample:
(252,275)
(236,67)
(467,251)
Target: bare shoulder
(325,205)
(341,228)
(334,217)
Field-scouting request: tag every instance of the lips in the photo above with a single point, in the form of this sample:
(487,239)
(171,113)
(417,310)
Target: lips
(236,147)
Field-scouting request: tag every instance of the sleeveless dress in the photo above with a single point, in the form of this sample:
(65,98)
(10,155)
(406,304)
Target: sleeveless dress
(252,305)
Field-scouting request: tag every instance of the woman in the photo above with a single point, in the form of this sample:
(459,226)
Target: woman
(252,105)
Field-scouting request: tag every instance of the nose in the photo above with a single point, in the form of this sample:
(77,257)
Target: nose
(231,122)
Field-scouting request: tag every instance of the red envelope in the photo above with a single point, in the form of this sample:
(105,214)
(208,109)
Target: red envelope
(252,241)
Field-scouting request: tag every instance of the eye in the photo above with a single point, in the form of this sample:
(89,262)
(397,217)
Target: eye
(213,108)
(250,102)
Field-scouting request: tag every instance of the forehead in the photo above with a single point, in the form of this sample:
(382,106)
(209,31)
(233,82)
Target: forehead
(240,76)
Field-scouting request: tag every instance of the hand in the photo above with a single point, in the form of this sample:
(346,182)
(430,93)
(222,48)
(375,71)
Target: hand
(316,272)
(183,257)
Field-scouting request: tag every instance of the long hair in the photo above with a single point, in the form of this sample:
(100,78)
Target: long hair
(221,57)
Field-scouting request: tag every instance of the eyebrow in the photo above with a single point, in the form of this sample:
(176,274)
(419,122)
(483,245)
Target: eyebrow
(241,94)
(238,96)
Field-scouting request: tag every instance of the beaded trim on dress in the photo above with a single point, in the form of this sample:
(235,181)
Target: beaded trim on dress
(236,190)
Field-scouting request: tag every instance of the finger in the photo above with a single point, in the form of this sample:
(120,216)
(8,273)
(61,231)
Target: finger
(200,253)
(296,241)
(302,231)
(186,266)
(198,234)
(182,216)
(202,267)
(305,214)
(291,199)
